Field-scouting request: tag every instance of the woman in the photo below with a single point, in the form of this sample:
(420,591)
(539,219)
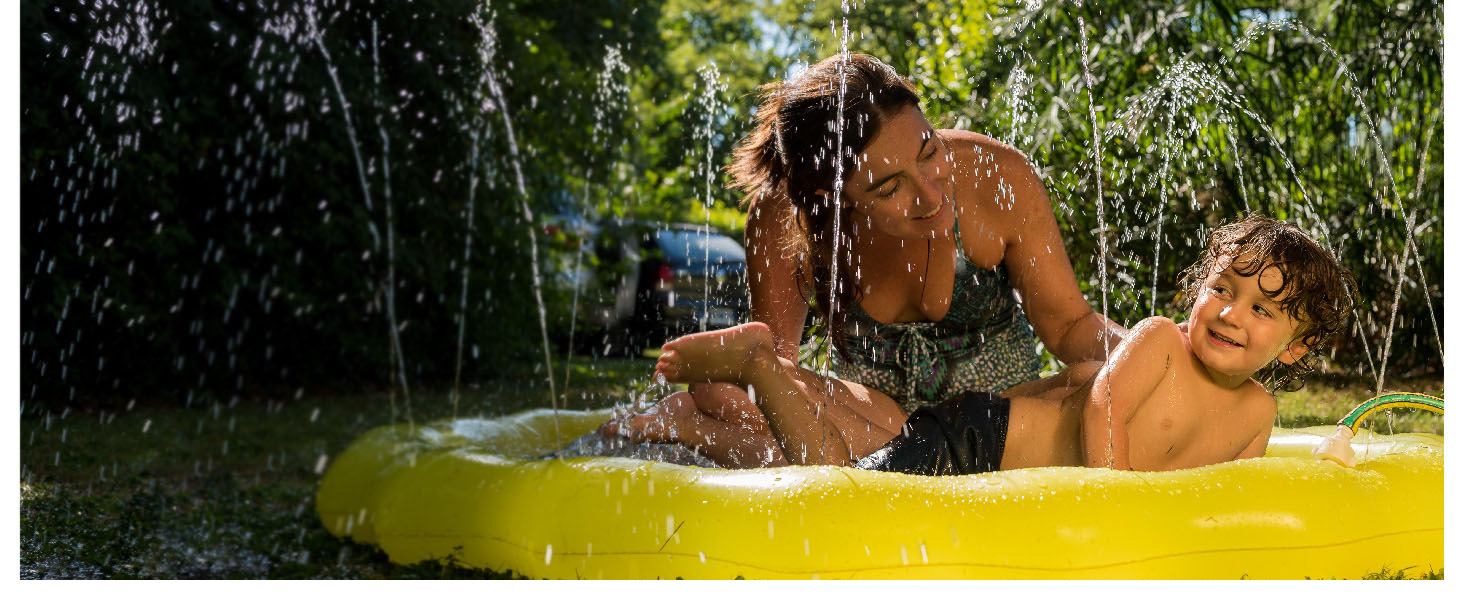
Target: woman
(948,258)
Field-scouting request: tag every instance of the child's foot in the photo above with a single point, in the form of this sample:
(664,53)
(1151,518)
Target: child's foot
(667,421)
(729,355)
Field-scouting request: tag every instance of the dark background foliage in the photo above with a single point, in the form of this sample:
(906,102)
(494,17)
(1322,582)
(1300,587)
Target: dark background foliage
(194,222)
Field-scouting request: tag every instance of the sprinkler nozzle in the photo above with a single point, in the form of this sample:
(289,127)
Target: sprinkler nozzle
(1337,448)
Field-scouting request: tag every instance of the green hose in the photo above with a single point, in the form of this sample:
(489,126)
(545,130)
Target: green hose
(1395,400)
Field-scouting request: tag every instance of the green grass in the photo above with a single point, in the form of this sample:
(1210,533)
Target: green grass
(225,490)
(1329,399)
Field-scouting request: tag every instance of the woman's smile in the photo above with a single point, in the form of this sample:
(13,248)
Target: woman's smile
(938,211)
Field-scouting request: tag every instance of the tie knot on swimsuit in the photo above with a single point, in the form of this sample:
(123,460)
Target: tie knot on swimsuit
(917,355)
(983,343)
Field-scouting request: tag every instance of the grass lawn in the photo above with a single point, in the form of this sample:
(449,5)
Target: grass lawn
(226,490)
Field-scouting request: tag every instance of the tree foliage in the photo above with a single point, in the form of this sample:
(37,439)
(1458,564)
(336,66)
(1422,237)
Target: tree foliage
(206,185)
(1325,114)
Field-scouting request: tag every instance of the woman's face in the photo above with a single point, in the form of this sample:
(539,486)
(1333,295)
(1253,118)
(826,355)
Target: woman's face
(903,184)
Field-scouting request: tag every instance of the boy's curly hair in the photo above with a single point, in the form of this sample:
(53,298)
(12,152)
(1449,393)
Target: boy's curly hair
(1314,287)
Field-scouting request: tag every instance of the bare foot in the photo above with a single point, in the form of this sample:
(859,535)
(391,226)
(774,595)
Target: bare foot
(728,355)
(668,421)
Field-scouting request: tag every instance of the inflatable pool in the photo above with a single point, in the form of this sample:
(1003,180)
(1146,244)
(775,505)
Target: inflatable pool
(464,491)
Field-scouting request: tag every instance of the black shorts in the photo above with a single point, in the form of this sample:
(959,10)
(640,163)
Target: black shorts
(959,436)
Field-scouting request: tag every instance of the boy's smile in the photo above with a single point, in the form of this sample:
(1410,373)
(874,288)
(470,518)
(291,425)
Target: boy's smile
(1236,329)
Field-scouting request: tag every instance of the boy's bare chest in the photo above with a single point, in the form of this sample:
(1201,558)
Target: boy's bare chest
(1188,421)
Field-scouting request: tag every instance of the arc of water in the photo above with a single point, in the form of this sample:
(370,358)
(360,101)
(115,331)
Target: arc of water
(528,217)
(317,36)
(1400,266)
(711,79)
(837,199)
(605,95)
(579,252)
(1102,226)
(1228,98)
(457,374)
(396,342)
(1356,90)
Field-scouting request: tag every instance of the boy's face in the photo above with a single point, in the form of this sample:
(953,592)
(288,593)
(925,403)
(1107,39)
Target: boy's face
(1235,329)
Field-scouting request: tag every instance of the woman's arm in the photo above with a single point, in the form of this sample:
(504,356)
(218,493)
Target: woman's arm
(1041,272)
(772,278)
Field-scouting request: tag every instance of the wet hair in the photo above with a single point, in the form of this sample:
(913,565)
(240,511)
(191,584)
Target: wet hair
(791,151)
(1314,290)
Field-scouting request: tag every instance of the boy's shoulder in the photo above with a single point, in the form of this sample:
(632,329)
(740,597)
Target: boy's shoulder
(1157,331)
(1154,345)
(1255,394)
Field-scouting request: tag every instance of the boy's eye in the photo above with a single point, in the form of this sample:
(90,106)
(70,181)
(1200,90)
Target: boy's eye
(1262,310)
(1218,289)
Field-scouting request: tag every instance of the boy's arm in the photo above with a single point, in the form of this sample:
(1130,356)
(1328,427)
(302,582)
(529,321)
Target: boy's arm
(1257,446)
(1137,366)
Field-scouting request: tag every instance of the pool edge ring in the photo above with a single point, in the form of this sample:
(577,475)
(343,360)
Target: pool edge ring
(473,492)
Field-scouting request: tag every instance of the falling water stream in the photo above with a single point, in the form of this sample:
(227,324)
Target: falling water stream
(838,240)
(528,217)
(393,333)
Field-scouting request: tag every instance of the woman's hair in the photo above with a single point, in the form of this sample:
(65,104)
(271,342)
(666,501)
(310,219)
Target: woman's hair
(1314,288)
(791,150)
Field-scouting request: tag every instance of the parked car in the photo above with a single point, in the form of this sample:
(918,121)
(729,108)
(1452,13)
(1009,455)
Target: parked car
(648,283)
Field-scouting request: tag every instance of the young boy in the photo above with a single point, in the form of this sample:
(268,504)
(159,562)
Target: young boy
(1171,396)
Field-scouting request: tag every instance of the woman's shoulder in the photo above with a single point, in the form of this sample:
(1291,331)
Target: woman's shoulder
(969,144)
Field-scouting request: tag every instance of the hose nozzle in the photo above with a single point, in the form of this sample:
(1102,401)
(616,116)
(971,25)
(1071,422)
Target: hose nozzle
(1337,448)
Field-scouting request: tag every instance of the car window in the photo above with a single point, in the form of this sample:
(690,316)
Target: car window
(691,249)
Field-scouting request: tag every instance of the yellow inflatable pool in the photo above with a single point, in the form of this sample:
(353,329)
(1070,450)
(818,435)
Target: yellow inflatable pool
(461,489)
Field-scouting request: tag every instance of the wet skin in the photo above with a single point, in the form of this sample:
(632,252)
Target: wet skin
(1174,395)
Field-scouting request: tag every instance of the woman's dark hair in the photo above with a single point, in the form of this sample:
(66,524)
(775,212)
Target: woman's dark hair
(1314,288)
(791,150)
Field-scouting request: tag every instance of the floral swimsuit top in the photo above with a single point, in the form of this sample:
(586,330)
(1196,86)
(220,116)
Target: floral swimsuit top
(984,343)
